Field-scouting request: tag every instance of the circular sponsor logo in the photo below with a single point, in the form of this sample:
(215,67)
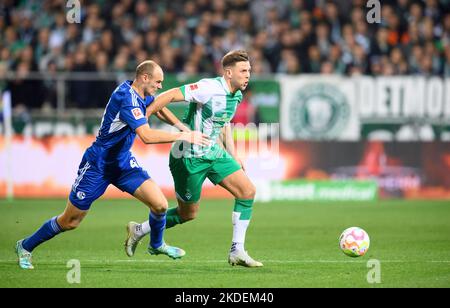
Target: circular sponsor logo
(319,111)
(81,195)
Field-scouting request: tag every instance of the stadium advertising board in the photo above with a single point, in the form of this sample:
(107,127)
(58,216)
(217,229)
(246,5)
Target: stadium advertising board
(290,171)
(325,190)
(365,108)
(401,170)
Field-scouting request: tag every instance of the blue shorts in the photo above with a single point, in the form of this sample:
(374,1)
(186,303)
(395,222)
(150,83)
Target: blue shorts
(91,182)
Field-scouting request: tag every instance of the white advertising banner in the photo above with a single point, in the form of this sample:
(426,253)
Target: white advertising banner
(350,109)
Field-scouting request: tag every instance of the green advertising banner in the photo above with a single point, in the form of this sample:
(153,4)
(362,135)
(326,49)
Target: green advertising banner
(329,190)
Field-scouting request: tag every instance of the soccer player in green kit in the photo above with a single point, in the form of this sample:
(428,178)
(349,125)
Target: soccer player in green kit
(212,105)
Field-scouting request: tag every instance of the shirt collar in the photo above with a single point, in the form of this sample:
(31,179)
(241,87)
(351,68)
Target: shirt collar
(224,85)
(130,82)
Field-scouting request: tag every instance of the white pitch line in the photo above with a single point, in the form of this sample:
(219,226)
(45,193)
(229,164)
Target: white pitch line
(225,261)
(282,261)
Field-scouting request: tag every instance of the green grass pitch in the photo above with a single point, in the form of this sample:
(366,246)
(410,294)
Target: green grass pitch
(298,243)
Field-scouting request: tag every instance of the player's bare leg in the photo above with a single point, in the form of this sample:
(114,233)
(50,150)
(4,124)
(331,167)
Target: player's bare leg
(185,211)
(176,215)
(68,220)
(240,186)
(71,218)
(151,195)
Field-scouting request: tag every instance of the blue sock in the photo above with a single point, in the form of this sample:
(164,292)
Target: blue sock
(157,226)
(48,230)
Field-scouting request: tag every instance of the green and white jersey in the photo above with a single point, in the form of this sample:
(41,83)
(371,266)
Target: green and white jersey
(211,107)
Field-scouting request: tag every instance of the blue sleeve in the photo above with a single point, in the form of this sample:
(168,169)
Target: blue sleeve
(149,100)
(132,114)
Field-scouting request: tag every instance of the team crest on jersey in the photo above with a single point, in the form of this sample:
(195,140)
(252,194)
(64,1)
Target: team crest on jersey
(81,195)
(188,195)
(137,113)
(193,86)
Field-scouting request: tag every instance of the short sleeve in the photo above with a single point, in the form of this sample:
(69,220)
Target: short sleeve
(148,100)
(132,114)
(199,92)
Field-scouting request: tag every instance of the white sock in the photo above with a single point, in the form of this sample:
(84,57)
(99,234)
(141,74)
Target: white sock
(143,229)
(237,247)
(239,231)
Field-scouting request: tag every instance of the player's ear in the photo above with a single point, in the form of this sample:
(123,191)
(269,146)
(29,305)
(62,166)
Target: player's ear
(145,78)
(228,71)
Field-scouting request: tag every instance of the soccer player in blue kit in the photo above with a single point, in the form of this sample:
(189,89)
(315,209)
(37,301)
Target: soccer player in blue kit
(110,161)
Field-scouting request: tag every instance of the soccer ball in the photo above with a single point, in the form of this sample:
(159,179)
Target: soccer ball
(354,242)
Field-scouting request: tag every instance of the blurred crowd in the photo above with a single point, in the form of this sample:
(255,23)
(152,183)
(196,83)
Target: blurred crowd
(190,37)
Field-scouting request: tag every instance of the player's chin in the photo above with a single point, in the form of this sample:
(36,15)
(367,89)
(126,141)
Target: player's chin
(150,93)
(244,86)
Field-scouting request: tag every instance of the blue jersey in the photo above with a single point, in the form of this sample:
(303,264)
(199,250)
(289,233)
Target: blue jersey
(109,160)
(124,113)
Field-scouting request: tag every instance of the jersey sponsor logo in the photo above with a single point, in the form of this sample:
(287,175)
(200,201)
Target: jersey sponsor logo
(137,113)
(224,118)
(193,86)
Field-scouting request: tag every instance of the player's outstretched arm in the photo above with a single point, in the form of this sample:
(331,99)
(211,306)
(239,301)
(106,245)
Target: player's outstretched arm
(168,117)
(152,136)
(165,98)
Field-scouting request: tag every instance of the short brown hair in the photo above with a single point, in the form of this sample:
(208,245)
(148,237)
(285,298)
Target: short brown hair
(234,56)
(146,67)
